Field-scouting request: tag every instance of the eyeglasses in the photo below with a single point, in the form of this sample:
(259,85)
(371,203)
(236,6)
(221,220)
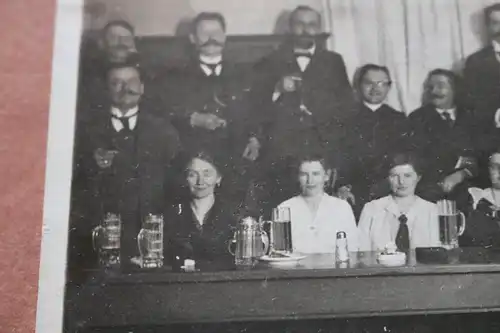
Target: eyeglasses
(379,84)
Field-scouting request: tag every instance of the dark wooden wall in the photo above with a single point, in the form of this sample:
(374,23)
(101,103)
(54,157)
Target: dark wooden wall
(160,51)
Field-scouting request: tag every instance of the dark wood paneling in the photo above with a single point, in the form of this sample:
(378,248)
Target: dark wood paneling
(158,51)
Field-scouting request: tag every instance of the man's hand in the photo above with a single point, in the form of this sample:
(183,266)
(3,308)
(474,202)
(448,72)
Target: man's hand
(252,149)
(104,158)
(289,83)
(207,120)
(450,182)
(345,193)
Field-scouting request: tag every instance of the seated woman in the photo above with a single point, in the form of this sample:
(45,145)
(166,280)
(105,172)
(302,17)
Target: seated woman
(317,217)
(483,220)
(401,217)
(199,225)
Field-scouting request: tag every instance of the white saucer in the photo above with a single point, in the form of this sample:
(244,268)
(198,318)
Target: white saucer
(289,260)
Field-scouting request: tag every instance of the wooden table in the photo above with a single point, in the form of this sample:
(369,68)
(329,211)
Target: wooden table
(317,288)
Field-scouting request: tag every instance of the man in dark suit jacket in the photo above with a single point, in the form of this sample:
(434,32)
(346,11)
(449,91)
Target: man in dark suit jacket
(374,133)
(122,157)
(444,135)
(210,103)
(482,69)
(301,94)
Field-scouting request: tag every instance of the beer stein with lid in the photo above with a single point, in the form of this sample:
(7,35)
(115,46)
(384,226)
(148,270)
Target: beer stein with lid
(106,240)
(250,241)
(150,241)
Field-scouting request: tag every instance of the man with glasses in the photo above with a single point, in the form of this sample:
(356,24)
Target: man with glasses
(375,131)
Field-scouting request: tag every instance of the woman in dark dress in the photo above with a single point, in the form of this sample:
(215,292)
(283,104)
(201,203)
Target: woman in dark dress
(200,224)
(483,220)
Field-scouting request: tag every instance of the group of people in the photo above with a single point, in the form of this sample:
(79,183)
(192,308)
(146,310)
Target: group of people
(209,141)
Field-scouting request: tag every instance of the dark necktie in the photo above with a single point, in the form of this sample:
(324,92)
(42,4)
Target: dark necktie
(447,118)
(403,235)
(124,121)
(212,67)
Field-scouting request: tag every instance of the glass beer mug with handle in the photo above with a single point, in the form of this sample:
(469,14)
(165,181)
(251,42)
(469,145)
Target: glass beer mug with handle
(451,223)
(150,241)
(251,242)
(106,240)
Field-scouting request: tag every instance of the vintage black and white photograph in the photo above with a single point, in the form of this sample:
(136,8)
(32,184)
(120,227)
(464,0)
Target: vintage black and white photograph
(284,166)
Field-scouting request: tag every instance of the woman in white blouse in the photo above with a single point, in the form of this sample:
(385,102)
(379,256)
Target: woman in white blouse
(401,217)
(317,217)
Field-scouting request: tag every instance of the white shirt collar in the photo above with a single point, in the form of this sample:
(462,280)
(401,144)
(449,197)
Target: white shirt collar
(373,107)
(119,114)
(311,50)
(477,194)
(212,61)
(452,112)
(130,117)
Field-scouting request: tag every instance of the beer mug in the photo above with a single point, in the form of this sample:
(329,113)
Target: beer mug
(150,241)
(106,240)
(451,223)
(281,230)
(251,242)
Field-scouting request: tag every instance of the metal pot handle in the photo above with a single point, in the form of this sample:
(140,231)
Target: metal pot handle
(265,240)
(140,238)
(230,243)
(461,230)
(95,233)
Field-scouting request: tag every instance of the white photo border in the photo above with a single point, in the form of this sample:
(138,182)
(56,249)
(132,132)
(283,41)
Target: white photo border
(59,162)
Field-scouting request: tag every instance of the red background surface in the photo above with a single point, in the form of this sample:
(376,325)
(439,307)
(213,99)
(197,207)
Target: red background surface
(26,36)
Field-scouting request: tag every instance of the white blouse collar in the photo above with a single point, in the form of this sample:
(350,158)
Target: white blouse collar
(478,194)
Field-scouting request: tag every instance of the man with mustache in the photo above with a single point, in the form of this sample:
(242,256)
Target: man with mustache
(301,97)
(210,106)
(375,132)
(209,103)
(115,44)
(122,156)
(443,134)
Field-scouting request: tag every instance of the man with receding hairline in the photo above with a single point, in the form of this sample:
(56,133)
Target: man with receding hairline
(301,94)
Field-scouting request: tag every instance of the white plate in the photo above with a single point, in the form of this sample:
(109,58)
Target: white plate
(392,260)
(288,260)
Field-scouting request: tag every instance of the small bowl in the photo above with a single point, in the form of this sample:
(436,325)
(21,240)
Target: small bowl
(396,259)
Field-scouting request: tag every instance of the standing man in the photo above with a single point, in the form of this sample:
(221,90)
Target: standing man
(122,158)
(482,69)
(374,133)
(482,77)
(301,98)
(210,104)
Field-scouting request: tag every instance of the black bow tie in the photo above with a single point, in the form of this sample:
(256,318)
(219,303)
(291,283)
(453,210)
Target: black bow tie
(212,67)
